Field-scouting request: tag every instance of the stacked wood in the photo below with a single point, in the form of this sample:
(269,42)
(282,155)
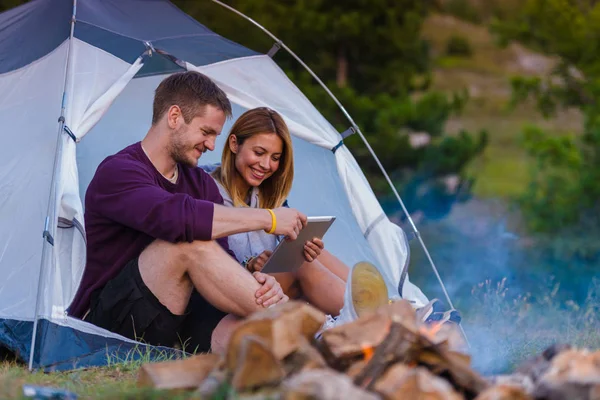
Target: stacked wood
(324,385)
(180,374)
(504,392)
(573,374)
(386,354)
(404,382)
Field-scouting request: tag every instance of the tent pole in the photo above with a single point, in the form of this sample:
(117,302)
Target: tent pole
(355,126)
(50,221)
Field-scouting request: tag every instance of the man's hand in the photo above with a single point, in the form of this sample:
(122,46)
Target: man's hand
(270,292)
(312,249)
(289,222)
(257,263)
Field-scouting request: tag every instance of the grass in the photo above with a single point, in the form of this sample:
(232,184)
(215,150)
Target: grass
(502,171)
(508,329)
(116,380)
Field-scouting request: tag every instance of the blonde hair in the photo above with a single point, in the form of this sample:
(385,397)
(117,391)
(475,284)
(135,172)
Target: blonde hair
(274,190)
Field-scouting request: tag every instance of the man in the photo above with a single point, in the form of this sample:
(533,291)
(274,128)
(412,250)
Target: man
(156,232)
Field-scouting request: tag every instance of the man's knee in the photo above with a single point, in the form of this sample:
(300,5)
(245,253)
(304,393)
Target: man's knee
(181,254)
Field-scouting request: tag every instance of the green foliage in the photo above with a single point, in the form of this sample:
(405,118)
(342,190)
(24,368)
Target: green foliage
(459,46)
(463,9)
(479,11)
(565,184)
(375,44)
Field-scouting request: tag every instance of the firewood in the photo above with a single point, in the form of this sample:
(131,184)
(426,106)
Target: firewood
(215,381)
(348,341)
(503,392)
(401,311)
(403,382)
(456,366)
(323,384)
(179,374)
(282,328)
(356,368)
(536,367)
(305,358)
(395,343)
(573,375)
(517,379)
(257,365)
(450,334)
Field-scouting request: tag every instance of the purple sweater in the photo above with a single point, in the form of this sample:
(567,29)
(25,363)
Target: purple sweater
(129,204)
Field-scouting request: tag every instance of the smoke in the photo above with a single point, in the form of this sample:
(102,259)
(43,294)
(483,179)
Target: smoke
(516,296)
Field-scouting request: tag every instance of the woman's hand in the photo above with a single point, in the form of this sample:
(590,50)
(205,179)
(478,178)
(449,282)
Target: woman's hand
(270,291)
(312,249)
(256,264)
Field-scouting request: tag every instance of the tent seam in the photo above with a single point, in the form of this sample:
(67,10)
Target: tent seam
(140,39)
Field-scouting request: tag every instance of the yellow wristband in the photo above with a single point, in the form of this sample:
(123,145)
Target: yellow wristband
(273,221)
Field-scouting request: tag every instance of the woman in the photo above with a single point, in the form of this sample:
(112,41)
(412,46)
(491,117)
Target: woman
(257,169)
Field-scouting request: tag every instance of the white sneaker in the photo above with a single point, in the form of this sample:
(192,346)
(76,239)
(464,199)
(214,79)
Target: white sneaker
(367,292)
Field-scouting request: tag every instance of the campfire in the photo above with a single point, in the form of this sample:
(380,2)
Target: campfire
(388,354)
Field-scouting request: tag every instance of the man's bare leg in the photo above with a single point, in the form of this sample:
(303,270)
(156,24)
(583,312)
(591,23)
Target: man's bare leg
(222,333)
(171,271)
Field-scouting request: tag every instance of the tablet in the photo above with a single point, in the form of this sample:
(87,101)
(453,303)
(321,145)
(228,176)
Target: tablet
(288,256)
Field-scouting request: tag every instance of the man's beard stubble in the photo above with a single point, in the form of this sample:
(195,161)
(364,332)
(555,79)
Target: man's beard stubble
(178,148)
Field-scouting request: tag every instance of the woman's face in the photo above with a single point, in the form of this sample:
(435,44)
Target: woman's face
(258,157)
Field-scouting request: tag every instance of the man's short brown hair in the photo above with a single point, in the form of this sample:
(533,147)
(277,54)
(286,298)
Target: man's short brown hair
(191,91)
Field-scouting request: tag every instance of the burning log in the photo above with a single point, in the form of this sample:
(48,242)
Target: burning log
(323,384)
(405,346)
(391,349)
(403,382)
(343,343)
(179,374)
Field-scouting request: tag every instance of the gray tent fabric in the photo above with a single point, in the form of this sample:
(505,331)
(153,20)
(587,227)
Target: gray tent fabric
(26,35)
(123,28)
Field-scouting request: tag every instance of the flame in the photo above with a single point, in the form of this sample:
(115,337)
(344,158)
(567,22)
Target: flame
(430,331)
(367,352)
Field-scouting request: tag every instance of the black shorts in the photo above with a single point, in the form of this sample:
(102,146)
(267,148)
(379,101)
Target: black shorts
(126,306)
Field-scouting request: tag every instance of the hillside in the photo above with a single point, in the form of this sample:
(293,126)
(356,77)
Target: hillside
(502,170)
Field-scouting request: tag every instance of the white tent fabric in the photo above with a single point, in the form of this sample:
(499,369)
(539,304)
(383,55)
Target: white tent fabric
(31,96)
(97,78)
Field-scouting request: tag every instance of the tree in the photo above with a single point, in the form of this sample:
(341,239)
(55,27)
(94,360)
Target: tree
(565,188)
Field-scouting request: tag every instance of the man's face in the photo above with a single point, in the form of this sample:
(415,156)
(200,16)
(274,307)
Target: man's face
(190,141)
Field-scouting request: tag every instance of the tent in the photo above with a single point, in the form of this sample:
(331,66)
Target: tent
(76,85)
